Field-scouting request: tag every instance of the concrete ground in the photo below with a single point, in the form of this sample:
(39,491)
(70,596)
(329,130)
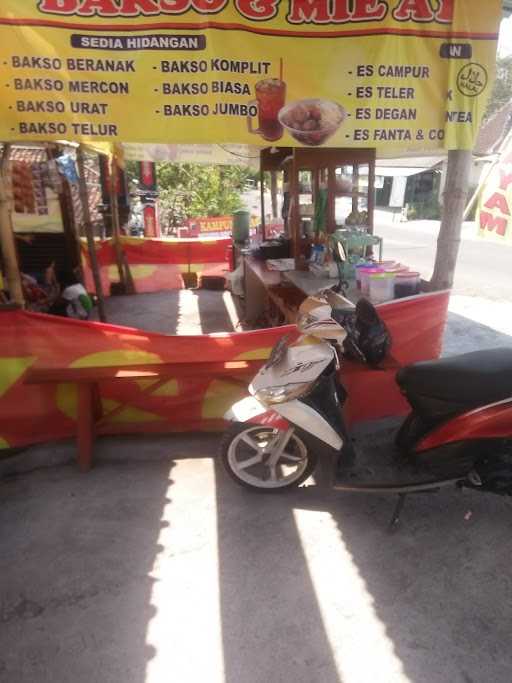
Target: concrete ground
(178,311)
(155,567)
(473,322)
(480,306)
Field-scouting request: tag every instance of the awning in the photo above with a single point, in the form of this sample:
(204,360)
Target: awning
(234,155)
(402,171)
(406,166)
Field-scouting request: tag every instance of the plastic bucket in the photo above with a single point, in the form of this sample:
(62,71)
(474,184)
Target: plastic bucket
(241,225)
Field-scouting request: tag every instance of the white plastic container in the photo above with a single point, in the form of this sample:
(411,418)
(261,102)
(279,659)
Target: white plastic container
(382,287)
(364,274)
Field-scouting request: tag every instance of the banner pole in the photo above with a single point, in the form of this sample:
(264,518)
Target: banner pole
(7,240)
(84,199)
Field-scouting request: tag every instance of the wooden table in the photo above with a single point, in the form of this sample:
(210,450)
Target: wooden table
(263,285)
(259,283)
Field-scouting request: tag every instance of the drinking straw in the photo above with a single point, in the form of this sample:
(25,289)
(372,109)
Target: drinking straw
(281,69)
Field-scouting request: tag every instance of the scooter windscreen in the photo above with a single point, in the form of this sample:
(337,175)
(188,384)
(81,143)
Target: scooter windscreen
(315,319)
(294,375)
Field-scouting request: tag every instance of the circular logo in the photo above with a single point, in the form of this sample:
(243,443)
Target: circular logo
(472,79)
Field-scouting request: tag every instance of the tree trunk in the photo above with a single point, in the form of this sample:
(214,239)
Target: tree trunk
(454,201)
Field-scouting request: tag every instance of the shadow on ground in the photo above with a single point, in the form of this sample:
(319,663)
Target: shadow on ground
(153,312)
(76,561)
(315,589)
(156,567)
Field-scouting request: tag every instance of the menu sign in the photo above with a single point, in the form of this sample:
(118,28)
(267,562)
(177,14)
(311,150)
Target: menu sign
(392,74)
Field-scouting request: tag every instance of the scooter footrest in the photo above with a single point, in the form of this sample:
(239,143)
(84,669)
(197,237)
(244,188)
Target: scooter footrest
(379,467)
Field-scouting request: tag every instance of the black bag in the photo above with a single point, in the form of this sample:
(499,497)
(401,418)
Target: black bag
(368,339)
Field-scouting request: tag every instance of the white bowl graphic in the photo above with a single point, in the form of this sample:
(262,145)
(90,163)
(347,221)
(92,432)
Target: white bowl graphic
(312,121)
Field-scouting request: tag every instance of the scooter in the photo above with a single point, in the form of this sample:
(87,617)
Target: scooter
(459,430)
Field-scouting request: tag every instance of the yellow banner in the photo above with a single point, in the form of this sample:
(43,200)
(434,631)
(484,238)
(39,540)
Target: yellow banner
(494,215)
(398,75)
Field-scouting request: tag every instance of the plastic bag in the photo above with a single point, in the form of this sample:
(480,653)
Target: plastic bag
(368,339)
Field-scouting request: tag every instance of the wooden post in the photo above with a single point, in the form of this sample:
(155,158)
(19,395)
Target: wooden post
(84,200)
(114,213)
(273,192)
(125,276)
(71,236)
(454,201)
(7,241)
(355,188)
(371,195)
(262,202)
(85,425)
(295,224)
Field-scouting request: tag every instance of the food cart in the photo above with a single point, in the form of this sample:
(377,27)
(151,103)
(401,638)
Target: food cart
(342,182)
(328,197)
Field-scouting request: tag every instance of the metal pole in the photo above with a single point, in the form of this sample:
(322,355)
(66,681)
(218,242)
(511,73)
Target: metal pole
(84,199)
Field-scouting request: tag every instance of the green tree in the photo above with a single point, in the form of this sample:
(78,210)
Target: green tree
(188,190)
(502,90)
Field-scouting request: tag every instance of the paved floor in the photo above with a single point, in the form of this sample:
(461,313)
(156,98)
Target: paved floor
(483,266)
(178,311)
(473,322)
(480,306)
(156,568)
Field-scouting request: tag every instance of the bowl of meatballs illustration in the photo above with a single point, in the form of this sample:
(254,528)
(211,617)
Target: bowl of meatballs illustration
(312,121)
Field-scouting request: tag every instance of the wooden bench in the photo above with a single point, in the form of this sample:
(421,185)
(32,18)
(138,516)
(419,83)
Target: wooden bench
(87,380)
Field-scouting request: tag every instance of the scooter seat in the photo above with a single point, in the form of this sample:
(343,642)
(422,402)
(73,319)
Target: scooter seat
(468,380)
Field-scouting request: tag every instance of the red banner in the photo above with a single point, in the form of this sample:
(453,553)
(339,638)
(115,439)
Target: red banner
(31,413)
(159,264)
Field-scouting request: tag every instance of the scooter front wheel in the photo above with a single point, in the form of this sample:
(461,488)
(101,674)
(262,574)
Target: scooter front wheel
(266,459)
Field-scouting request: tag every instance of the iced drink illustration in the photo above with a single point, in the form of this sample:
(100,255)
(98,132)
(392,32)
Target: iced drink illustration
(270,98)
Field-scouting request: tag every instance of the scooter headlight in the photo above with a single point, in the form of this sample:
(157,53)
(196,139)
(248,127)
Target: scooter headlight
(272,395)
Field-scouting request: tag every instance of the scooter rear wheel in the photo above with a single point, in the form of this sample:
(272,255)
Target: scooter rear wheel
(250,455)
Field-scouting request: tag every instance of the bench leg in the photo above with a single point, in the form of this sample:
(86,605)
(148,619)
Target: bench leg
(85,426)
